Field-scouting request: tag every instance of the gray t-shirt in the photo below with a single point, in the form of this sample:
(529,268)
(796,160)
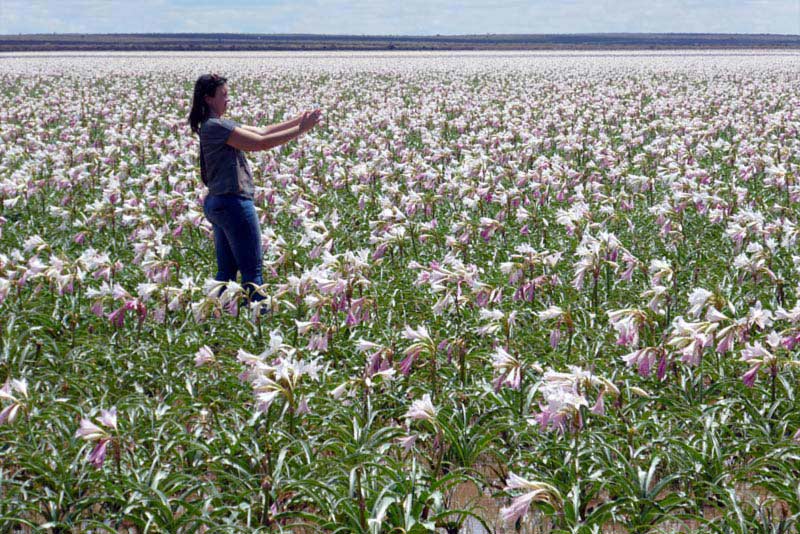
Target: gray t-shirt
(224,169)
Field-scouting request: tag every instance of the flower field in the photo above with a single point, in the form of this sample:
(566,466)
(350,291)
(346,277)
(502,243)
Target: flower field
(505,293)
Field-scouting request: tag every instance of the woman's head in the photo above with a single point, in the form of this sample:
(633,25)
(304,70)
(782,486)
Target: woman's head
(210,95)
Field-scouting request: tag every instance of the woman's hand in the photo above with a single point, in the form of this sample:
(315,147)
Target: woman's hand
(309,119)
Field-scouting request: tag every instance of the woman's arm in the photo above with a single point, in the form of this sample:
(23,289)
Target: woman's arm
(274,128)
(249,141)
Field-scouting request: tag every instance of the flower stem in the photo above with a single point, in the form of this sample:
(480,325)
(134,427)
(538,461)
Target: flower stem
(362,506)
(774,376)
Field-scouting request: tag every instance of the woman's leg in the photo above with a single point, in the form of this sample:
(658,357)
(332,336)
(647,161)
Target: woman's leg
(226,261)
(215,211)
(238,220)
(246,246)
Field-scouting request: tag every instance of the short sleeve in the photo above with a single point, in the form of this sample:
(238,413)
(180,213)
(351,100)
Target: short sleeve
(216,131)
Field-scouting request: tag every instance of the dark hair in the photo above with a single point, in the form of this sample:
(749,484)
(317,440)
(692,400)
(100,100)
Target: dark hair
(206,85)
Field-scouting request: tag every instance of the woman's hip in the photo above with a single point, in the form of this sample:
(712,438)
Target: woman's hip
(227,210)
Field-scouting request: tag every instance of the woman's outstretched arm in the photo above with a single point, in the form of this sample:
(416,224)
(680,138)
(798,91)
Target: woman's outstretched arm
(274,128)
(249,141)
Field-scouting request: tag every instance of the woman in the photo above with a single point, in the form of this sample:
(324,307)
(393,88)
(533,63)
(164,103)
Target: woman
(226,173)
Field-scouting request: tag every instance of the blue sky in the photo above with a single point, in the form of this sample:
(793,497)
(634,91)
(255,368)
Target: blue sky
(398,17)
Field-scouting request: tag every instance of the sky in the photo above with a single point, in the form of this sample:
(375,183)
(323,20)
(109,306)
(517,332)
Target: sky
(399,17)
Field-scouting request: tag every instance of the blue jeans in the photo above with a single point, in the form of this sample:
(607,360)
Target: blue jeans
(237,240)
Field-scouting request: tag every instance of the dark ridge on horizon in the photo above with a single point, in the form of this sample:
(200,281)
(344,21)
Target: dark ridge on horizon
(313,42)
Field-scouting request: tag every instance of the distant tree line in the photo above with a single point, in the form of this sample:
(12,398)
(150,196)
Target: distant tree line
(278,42)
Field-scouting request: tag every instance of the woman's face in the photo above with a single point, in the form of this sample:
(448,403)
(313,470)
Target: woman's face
(219,102)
